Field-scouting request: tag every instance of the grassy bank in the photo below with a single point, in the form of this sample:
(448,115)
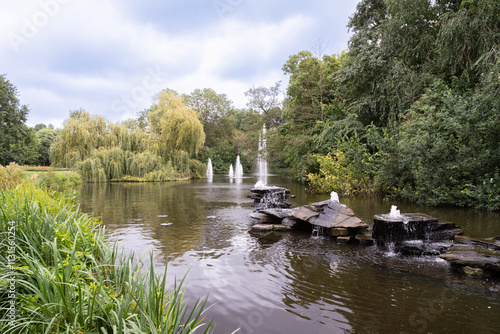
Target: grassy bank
(59,274)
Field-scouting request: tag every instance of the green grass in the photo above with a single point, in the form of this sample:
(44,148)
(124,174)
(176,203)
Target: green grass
(68,279)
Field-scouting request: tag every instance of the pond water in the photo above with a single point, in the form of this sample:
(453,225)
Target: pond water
(294,282)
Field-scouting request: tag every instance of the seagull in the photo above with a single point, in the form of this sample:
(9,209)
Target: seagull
(166,224)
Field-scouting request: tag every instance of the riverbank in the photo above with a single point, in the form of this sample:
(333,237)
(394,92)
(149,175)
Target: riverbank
(60,274)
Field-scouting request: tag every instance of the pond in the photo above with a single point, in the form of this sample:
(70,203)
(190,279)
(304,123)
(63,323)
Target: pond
(294,282)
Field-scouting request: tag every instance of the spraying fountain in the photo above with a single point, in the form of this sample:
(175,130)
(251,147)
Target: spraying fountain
(210,171)
(238,173)
(231,171)
(262,156)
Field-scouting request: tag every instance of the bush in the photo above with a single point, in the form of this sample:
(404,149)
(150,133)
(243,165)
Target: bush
(11,176)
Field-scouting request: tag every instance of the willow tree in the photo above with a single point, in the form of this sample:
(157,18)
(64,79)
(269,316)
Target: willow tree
(81,135)
(174,126)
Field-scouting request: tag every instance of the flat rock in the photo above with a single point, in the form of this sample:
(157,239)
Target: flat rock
(262,227)
(331,214)
(270,227)
(364,238)
(262,217)
(304,213)
(344,240)
(342,231)
(326,214)
(475,257)
(278,213)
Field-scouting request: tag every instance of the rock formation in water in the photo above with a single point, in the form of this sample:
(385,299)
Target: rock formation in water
(413,233)
(329,216)
(475,257)
(265,197)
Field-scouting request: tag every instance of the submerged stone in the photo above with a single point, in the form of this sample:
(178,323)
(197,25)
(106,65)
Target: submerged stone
(364,238)
(344,240)
(474,253)
(341,231)
(270,227)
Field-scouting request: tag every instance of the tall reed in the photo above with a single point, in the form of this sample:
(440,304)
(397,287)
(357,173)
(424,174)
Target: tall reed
(68,279)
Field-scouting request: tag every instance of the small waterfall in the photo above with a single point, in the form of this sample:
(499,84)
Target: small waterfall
(210,171)
(231,171)
(262,156)
(274,198)
(318,231)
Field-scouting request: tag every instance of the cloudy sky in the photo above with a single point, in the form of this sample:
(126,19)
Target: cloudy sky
(110,57)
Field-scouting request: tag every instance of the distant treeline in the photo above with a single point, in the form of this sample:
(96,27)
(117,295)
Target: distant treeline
(411,109)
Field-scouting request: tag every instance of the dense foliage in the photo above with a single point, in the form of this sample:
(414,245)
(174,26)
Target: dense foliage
(159,151)
(411,109)
(17,141)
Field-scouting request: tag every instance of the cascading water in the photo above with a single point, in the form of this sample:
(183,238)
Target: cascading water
(210,171)
(262,155)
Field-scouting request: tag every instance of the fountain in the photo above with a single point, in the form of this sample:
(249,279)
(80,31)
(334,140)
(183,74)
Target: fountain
(334,197)
(238,173)
(261,157)
(413,233)
(210,171)
(266,197)
(231,171)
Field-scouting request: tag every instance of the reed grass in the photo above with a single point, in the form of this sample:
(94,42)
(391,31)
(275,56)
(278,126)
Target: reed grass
(68,279)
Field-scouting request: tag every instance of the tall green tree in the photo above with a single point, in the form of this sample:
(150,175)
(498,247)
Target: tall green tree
(215,112)
(46,135)
(267,102)
(176,126)
(17,142)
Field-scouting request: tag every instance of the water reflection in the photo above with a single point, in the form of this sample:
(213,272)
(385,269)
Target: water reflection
(290,282)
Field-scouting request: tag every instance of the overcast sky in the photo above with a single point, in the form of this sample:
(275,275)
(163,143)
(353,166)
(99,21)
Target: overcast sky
(110,57)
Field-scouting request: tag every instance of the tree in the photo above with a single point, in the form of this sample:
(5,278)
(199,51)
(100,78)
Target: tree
(17,142)
(176,126)
(266,101)
(215,112)
(46,135)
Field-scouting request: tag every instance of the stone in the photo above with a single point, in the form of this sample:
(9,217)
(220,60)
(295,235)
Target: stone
(344,240)
(270,197)
(340,231)
(328,214)
(422,247)
(279,227)
(411,226)
(364,238)
(273,209)
(303,213)
(262,227)
(270,227)
(471,271)
(473,256)
(263,218)
(289,221)
(278,213)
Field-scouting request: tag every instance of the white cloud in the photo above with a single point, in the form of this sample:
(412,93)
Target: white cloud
(97,54)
